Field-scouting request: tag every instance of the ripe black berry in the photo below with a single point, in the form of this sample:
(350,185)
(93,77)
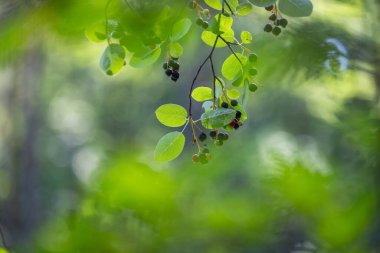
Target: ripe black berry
(238,115)
(268,28)
(176,66)
(236,126)
(234,102)
(225,105)
(165,65)
(252,58)
(283,22)
(202,136)
(168,72)
(213,134)
(175,74)
(171,63)
(276,31)
(174,79)
(269,8)
(273,17)
(252,87)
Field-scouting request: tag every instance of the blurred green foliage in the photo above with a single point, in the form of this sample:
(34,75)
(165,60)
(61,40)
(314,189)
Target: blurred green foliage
(301,176)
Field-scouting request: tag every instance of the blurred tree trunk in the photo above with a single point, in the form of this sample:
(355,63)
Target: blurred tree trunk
(23,207)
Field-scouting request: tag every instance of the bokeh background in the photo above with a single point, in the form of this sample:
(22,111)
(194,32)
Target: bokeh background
(76,146)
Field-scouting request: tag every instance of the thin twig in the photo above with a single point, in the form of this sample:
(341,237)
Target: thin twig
(106,16)
(232,51)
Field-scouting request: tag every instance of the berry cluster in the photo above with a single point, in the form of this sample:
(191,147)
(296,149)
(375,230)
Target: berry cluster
(276,21)
(171,68)
(203,14)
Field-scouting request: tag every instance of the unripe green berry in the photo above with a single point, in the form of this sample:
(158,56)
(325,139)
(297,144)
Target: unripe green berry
(203,158)
(219,143)
(199,22)
(205,24)
(252,87)
(253,71)
(195,158)
(252,57)
(206,151)
(234,102)
(109,72)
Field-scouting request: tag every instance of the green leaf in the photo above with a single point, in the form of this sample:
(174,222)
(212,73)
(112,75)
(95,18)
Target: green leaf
(176,50)
(180,29)
(201,94)
(233,93)
(246,37)
(112,59)
(171,115)
(96,33)
(2,250)
(263,3)
(221,24)
(169,147)
(217,118)
(244,9)
(145,58)
(238,81)
(207,106)
(296,8)
(132,43)
(209,38)
(232,67)
(217,4)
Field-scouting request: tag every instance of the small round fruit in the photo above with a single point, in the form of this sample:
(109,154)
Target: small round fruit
(206,151)
(268,28)
(283,22)
(195,158)
(269,8)
(174,79)
(206,12)
(202,136)
(171,63)
(225,105)
(273,17)
(220,136)
(234,102)
(165,65)
(205,24)
(252,58)
(212,133)
(236,126)
(219,143)
(168,72)
(203,158)
(252,87)
(176,66)
(238,114)
(276,31)
(253,71)
(199,22)
(226,137)
(175,74)
(109,72)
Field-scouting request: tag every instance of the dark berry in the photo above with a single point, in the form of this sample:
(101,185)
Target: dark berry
(175,74)
(171,63)
(252,87)
(205,24)
(238,114)
(165,65)
(213,134)
(252,58)
(199,22)
(276,31)
(195,158)
(206,151)
(273,17)
(236,126)
(226,137)
(234,102)
(168,72)
(109,72)
(174,79)
(225,105)
(269,8)
(202,136)
(253,71)
(283,22)
(268,28)
(233,124)
(220,136)
(176,66)
(277,22)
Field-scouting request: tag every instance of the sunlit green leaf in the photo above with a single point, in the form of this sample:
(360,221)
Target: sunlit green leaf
(176,50)
(201,94)
(209,38)
(217,118)
(232,67)
(112,59)
(246,37)
(180,29)
(217,4)
(233,93)
(244,8)
(296,8)
(169,147)
(263,3)
(145,58)
(171,115)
